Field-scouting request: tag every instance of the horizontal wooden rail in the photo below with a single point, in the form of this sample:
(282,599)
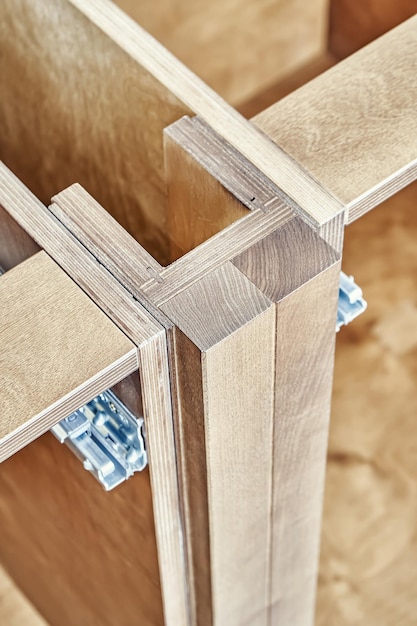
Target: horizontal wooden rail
(354,128)
(57,351)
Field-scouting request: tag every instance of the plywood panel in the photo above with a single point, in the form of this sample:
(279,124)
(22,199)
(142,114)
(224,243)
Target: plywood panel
(53,358)
(100,125)
(354,128)
(149,337)
(105,123)
(237,47)
(82,555)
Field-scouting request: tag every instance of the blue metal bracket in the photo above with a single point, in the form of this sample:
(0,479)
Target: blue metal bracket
(107,438)
(351,303)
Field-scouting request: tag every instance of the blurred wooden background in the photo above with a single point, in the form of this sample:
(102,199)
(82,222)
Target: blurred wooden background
(368,569)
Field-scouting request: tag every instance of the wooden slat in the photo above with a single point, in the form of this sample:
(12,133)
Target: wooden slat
(105,123)
(300,273)
(354,128)
(31,215)
(237,47)
(355,24)
(228,376)
(149,336)
(53,357)
(157,405)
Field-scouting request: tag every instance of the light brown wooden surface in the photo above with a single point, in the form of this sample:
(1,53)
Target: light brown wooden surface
(300,273)
(198,206)
(264,99)
(237,47)
(354,128)
(102,124)
(53,357)
(15,609)
(353,24)
(159,424)
(82,555)
(130,75)
(71,204)
(150,338)
(98,283)
(229,378)
(369,546)
(367,569)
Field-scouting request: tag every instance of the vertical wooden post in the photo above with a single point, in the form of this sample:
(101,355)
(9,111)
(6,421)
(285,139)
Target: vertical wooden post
(225,368)
(254,399)
(298,271)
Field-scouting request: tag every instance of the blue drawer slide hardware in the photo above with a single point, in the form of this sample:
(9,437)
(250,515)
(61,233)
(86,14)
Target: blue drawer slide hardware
(351,303)
(107,438)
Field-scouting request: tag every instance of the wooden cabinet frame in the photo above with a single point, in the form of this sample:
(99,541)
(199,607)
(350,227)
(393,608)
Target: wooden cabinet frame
(235,337)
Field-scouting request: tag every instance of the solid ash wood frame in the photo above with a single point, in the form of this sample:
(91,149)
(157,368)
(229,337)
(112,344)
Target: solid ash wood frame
(236,337)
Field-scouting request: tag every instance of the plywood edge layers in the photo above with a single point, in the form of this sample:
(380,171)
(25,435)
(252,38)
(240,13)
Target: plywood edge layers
(75,259)
(52,354)
(199,98)
(150,337)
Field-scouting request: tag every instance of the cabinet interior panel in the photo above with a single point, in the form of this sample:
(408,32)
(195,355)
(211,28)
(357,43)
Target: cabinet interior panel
(81,555)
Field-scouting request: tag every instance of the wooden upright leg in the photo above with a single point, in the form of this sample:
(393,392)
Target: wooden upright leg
(263,329)
(300,273)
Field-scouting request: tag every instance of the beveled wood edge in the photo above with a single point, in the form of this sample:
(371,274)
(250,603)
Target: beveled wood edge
(270,159)
(150,337)
(41,423)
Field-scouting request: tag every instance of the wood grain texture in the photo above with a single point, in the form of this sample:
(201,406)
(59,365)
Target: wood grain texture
(148,335)
(231,325)
(369,538)
(188,400)
(31,215)
(157,405)
(117,57)
(81,555)
(300,273)
(237,47)
(354,128)
(226,377)
(269,96)
(70,205)
(355,24)
(189,269)
(286,259)
(103,123)
(15,244)
(53,358)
